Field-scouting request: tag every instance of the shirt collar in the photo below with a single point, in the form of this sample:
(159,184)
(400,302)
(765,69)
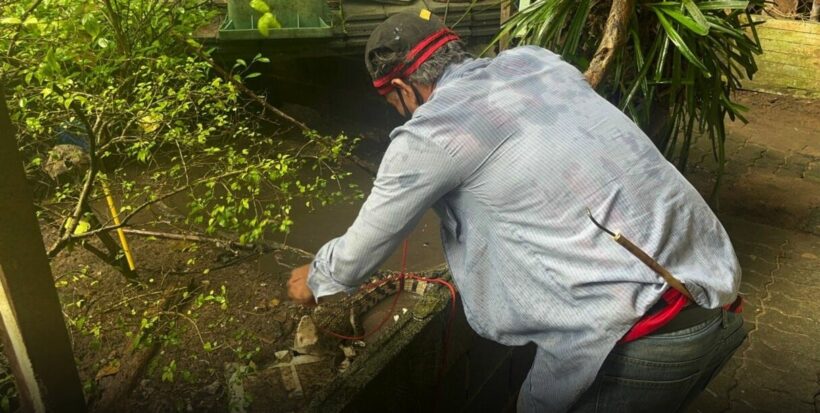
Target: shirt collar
(451,73)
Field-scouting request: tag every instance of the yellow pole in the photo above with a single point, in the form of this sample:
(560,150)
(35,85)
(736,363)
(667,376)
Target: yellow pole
(116,218)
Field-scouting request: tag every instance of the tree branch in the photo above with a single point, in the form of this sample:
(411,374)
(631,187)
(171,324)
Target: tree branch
(23,18)
(244,89)
(265,247)
(124,222)
(88,185)
(614,37)
(364,165)
(116,24)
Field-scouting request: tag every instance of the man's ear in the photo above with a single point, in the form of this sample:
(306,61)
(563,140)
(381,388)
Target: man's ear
(406,92)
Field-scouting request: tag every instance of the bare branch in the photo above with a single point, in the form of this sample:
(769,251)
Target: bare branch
(124,222)
(266,246)
(114,19)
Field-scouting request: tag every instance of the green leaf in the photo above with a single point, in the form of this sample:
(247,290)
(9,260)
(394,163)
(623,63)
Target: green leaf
(82,227)
(686,21)
(10,20)
(266,22)
(576,28)
(640,80)
(720,5)
(757,46)
(696,14)
(260,5)
(253,75)
(676,38)
(91,25)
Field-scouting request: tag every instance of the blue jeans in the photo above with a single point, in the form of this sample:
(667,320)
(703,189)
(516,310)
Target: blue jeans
(663,372)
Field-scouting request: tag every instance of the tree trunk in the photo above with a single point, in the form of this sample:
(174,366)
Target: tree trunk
(783,8)
(506,12)
(815,11)
(615,34)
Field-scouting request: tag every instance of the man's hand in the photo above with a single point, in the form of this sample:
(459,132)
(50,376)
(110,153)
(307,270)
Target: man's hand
(298,290)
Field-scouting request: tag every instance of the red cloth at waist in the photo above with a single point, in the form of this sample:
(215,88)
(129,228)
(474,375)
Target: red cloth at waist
(675,302)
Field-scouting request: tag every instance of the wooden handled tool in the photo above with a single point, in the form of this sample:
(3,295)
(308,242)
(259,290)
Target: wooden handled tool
(645,258)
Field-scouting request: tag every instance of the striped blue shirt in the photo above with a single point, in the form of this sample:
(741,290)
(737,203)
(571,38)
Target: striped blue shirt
(510,152)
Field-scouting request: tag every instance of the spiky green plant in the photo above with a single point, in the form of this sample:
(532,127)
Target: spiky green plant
(675,73)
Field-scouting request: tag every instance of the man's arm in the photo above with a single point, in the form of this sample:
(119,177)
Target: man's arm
(413,175)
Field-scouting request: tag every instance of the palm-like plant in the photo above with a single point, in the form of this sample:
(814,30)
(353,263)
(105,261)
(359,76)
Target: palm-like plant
(671,66)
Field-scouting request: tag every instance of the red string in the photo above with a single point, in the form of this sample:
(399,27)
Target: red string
(404,257)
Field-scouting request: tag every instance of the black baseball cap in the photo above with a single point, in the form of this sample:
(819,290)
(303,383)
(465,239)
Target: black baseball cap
(417,35)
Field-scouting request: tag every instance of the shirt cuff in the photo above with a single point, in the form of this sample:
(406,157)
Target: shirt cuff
(321,283)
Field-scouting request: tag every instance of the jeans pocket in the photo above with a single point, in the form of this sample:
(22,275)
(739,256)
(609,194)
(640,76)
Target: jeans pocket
(618,394)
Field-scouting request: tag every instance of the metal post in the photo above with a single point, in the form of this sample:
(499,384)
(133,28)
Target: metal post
(36,342)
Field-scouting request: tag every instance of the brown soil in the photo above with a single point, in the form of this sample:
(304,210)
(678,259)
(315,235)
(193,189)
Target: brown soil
(202,338)
(198,337)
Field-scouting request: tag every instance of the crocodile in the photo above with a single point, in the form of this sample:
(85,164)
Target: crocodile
(318,332)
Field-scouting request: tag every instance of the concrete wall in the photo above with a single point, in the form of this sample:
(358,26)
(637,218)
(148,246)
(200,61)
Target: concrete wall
(480,375)
(790,63)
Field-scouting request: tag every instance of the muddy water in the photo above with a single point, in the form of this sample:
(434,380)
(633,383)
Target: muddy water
(312,229)
(334,95)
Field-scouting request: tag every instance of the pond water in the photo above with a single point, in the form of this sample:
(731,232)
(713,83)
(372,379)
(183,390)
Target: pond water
(313,228)
(334,95)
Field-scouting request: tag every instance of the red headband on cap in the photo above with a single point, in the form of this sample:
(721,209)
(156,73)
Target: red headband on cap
(429,45)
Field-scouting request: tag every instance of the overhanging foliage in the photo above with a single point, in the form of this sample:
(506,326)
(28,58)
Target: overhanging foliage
(676,71)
